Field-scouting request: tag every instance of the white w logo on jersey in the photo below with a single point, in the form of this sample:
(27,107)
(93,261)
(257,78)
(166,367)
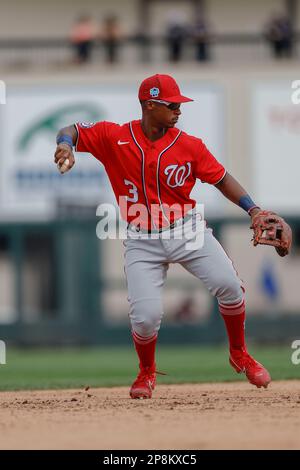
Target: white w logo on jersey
(177,176)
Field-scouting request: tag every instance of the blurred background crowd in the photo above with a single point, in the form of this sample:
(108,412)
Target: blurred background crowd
(178,34)
(131,31)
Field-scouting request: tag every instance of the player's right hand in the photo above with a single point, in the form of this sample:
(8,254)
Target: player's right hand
(64,152)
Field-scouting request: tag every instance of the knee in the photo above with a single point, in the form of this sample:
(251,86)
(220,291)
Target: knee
(229,290)
(145,316)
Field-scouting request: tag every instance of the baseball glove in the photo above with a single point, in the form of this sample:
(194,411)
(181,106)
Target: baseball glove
(271,229)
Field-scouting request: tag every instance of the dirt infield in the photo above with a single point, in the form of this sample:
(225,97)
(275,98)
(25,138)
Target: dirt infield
(206,416)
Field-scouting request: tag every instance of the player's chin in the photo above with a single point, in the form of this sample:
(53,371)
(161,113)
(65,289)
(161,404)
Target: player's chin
(173,123)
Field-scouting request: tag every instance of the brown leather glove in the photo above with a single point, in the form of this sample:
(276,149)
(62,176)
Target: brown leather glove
(271,229)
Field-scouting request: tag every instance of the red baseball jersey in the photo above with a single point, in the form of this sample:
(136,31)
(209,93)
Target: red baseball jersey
(153,177)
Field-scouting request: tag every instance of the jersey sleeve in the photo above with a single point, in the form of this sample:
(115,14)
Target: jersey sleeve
(208,169)
(95,138)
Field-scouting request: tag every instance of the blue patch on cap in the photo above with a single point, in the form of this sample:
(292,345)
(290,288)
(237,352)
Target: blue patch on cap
(154,92)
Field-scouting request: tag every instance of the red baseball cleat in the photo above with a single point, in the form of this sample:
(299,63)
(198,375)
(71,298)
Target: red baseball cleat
(144,383)
(255,372)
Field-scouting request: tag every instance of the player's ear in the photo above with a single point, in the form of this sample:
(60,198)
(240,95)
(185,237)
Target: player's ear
(149,105)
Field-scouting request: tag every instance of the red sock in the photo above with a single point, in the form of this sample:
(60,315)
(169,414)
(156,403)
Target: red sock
(145,348)
(234,318)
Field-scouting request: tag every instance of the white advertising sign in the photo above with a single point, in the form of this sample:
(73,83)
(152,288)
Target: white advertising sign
(276,147)
(31,185)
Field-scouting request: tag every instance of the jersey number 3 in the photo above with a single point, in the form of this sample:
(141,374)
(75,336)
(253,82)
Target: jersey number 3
(133,190)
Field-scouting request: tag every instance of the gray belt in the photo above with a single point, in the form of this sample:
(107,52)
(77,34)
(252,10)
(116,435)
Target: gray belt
(177,223)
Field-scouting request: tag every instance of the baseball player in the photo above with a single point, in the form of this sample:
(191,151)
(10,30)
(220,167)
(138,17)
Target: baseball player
(153,164)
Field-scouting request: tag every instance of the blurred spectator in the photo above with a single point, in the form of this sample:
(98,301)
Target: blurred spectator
(82,38)
(176,35)
(111,35)
(201,38)
(185,312)
(143,40)
(280,35)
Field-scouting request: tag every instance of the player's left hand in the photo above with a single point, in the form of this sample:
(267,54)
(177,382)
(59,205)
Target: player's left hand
(271,229)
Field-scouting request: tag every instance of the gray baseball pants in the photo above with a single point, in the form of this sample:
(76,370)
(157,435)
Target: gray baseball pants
(146,265)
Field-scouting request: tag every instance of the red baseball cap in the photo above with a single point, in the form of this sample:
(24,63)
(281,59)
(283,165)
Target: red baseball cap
(161,87)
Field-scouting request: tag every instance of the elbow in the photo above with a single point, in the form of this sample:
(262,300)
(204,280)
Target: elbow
(223,181)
